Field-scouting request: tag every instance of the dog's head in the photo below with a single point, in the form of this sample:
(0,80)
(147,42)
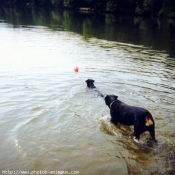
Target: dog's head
(90,83)
(109,99)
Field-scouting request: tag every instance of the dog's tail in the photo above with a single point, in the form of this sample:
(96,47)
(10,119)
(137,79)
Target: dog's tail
(148,121)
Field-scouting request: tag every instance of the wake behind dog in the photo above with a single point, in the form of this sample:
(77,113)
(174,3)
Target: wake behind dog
(127,115)
(90,85)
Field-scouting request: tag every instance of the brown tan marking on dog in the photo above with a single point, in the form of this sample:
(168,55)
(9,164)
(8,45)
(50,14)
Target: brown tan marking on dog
(148,121)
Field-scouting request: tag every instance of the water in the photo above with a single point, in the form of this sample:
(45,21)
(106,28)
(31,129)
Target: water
(51,122)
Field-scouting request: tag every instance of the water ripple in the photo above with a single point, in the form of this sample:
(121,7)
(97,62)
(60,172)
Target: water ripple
(50,119)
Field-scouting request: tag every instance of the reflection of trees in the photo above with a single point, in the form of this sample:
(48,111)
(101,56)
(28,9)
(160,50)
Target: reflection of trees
(120,28)
(110,26)
(87,28)
(66,20)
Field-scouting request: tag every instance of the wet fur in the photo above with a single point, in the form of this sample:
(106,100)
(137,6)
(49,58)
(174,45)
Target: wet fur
(90,85)
(130,115)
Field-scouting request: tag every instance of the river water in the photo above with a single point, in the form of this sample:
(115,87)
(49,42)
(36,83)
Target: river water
(51,122)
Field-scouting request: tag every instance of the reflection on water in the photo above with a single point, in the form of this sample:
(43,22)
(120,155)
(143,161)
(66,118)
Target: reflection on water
(158,34)
(51,121)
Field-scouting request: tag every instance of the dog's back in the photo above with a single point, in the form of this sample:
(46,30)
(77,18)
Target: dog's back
(90,85)
(130,115)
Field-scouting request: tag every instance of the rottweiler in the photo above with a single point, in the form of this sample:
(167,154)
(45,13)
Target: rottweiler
(130,115)
(90,85)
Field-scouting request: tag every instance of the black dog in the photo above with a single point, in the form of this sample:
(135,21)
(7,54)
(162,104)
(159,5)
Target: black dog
(130,115)
(90,85)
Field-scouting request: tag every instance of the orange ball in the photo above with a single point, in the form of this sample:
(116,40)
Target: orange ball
(76,69)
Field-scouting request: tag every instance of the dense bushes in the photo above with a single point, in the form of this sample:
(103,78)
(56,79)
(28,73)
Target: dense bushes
(139,7)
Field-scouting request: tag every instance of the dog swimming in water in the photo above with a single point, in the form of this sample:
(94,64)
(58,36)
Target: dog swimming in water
(90,85)
(127,115)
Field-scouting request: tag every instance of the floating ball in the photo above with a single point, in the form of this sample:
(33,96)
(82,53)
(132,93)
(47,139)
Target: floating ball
(76,69)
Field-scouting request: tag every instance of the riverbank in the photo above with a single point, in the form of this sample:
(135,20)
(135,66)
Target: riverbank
(143,8)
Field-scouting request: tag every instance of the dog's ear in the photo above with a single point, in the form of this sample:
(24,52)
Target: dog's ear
(90,80)
(115,96)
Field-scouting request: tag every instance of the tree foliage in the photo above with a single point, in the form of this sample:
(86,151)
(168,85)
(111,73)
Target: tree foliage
(139,7)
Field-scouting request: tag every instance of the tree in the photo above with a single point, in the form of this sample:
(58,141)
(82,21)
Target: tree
(111,6)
